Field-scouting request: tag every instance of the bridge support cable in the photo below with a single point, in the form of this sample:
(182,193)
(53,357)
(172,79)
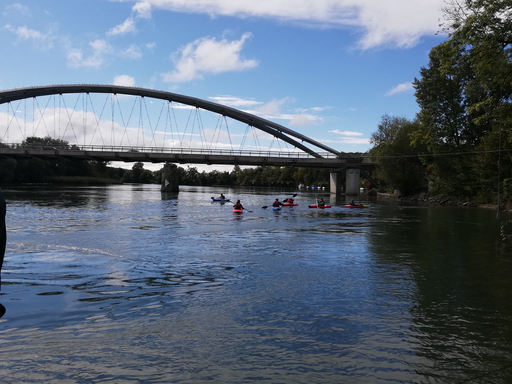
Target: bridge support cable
(151,128)
(186,127)
(140,125)
(247,128)
(9,121)
(69,122)
(147,117)
(168,121)
(229,134)
(54,119)
(38,123)
(97,119)
(112,114)
(216,133)
(153,141)
(175,123)
(127,123)
(255,135)
(200,127)
(84,117)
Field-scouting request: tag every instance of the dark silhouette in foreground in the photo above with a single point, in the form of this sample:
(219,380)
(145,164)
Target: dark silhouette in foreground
(3,241)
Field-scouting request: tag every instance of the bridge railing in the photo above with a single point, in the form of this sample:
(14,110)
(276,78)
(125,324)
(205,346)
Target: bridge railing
(169,150)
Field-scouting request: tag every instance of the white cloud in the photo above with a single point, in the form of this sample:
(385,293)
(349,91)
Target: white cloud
(207,55)
(272,110)
(272,107)
(151,46)
(133,52)
(43,40)
(349,137)
(319,109)
(124,80)
(346,133)
(233,101)
(17,9)
(398,23)
(142,9)
(400,88)
(121,29)
(100,48)
(304,120)
(348,140)
(314,109)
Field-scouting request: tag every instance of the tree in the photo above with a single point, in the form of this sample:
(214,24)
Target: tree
(465,98)
(399,164)
(136,173)
(45,141)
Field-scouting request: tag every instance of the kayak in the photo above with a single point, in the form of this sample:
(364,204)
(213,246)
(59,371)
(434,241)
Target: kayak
(276,208)
(237,210)
(219,199)
(356,206)
(319,206)
(290,204)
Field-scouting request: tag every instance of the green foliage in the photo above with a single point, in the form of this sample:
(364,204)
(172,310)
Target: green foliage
(258,176)
(465,100)
(399,165)
(35,142)
(55,170)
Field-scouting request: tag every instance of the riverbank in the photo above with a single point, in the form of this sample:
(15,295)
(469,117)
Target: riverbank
(427,198)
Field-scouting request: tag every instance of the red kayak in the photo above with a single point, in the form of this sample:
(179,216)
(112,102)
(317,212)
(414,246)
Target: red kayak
(356,206)
(319,206)
(290,204)
(237,210)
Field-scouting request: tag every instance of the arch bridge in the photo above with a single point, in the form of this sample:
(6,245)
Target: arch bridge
(130,124)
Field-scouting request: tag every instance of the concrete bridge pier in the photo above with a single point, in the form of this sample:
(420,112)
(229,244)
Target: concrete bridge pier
(170,179)
(352,182)
(335,183)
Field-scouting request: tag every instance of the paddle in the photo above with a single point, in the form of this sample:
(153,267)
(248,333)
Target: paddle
(285,200)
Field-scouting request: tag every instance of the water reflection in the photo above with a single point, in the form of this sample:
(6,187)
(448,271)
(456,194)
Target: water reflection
(152,288)
(459,314)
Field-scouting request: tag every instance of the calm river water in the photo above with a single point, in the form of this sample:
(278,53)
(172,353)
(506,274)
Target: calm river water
(122,284)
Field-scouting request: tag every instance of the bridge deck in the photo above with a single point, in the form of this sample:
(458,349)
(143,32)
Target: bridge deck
(181,156)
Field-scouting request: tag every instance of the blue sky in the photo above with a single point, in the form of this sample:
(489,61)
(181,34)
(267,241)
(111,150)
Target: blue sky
(329,69)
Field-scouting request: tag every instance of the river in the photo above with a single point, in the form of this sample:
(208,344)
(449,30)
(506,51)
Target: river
(124,284)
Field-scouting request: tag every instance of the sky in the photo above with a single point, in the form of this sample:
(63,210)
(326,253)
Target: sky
(328,69)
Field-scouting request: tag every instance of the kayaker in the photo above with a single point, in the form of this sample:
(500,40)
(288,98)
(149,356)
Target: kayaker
(320,203)
(222,196)
(238,205)
(353,203)
(277,203)
(290,200)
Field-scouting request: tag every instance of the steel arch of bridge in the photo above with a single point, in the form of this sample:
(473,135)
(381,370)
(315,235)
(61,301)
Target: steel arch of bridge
(267,126)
